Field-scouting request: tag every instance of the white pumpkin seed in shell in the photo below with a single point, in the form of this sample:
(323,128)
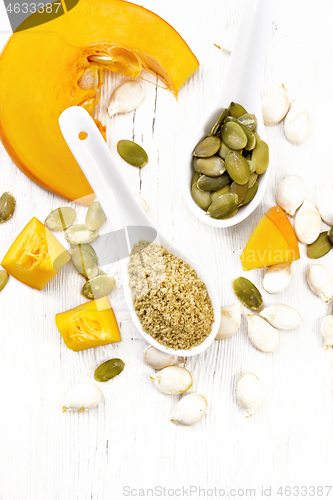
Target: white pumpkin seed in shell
(60,219)
(307,223)
(80,234)
(95,216)
(297,124)
(325,204)
(320,281)
(82,398)
(190,410)
(249,393)
(262,335)
(173,380)
(290,193)
(275,105)
(327,331)
(158,359)
(230,322)
(282,316)
(126,98)
(277,278)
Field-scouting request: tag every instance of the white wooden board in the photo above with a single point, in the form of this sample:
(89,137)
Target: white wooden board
(129,443)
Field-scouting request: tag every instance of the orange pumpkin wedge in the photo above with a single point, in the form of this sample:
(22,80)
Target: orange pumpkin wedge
(272,242)
(40,68)
(92,324)
(36,256)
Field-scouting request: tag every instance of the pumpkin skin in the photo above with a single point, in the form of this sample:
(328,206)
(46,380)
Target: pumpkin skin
(35,256)
(39,72)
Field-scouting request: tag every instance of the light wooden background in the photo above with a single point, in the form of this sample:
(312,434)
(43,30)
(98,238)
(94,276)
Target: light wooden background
(128,440)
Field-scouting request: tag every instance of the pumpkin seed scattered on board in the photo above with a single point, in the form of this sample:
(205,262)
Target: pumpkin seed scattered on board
(3,279)
(233,155)
(95,216)
(80,234)
(108,370)
(248,293)
(7,206)
(84,262)
(60,219)
(98,287)
(132,153)
(320,247)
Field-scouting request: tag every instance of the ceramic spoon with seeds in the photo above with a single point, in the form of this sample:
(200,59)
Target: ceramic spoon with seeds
(123,211)
(242,84)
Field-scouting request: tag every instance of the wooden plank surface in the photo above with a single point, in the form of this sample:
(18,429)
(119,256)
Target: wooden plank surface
(129,443)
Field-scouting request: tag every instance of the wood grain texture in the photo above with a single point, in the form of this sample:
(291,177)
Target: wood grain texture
(129,440)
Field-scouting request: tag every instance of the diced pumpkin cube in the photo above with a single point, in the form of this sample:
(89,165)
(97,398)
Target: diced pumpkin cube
(272,242)
(36,256)
(90,325)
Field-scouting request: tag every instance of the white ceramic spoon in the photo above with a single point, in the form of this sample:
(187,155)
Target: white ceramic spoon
(242,85)
(96,162)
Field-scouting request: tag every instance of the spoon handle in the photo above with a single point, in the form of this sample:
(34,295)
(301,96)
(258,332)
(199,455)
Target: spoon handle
(243,80)
(97,164)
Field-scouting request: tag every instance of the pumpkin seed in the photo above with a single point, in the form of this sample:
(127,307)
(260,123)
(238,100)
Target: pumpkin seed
(60,219)
(240,190)
(88,248)
(195,177)
(201,198)
(223,206)
(80,234)
(256,135)
(224,150)
(104,60)
(132,153)
(84,262)
(250,194)
(7,206)
(3,279)
(233,136)
(206,183)
(252,166)
(251,140)
(217,194)
(95,216)
(247,293)
(89,79)
(212,167)
(98,287)
(237,167)
(101,272)
(217,126)
(253,179)
(260,157)
(236,110)
(320,247)
(248,120)
(330,235)
(207,147)
(109,369)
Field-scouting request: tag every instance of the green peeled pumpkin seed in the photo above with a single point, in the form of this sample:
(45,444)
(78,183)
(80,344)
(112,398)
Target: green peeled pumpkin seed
(247,293)
(252,166)
(217,194)
(236,110)
(206,183)
(224,150)
(84,262)
(251,140)
(7,206)
(207,147)
(212,167)
(260,157)
(95,216)
(98,287)
(223,206)
(237,167)
(250,121)
(108,370)
(240,190)
(201,198)
(60,219)
(80,234)
(253,179)
(250,194)
(195,177)
(320,247)
(233,136)
(3,279)
(217,126)
(132,153)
